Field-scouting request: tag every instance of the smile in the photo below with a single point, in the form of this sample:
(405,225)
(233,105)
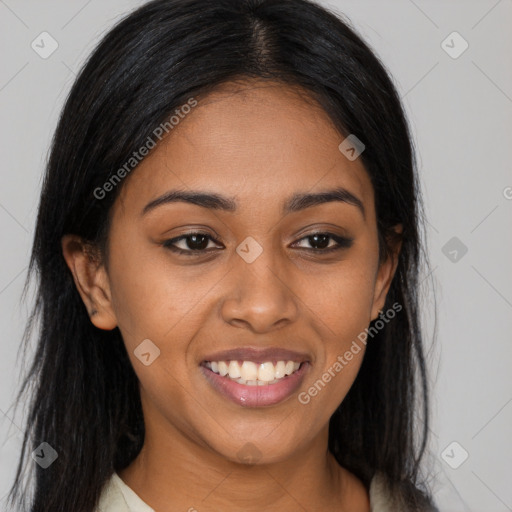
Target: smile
(250,384)
(250,373)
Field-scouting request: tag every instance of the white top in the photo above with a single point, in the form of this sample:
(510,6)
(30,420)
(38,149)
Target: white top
(118,497)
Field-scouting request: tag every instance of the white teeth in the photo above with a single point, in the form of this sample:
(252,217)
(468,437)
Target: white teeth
(250,373)
(223,368)
(234,370)
(288,369)
(279,371)
(249,370)
(266,372)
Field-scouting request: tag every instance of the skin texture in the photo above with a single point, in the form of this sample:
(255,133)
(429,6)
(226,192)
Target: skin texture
(258,143)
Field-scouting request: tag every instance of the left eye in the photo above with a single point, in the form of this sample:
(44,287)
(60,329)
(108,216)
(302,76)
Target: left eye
(322,240)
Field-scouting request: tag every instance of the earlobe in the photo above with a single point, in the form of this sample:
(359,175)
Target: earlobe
(386,272)
(91,280)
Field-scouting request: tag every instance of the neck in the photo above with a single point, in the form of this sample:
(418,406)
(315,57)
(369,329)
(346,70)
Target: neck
(176,471)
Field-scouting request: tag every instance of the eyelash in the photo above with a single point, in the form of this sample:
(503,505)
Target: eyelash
(343,243)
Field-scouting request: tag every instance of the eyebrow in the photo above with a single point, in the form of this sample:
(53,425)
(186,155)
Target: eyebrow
(297,202)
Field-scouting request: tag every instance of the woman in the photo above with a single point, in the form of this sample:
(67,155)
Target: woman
(227,249)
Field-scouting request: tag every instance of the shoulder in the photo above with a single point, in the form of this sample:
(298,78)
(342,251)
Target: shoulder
(116,496)
(405,497)
(355,492)
(111,497)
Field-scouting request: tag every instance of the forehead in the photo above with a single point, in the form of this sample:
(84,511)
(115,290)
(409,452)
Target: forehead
(258,142)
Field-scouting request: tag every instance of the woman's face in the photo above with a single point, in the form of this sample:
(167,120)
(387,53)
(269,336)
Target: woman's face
(254,285)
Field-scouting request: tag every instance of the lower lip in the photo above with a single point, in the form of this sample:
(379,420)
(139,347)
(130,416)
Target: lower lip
(256,396)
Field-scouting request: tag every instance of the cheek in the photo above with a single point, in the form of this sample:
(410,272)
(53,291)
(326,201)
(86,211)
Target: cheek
(341,305)
(150,298)
(342,299)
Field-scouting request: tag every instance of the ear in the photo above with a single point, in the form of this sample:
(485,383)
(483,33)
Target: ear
(386,272)
(91,280)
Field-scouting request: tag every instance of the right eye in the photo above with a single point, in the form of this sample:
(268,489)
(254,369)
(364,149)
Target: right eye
(193,244)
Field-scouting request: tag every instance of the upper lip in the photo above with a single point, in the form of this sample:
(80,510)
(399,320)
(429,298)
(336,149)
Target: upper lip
(258,355)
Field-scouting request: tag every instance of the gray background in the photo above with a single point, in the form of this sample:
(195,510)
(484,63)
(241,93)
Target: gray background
(460,111)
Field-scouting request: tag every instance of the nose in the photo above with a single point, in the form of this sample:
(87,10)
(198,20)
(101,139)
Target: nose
(260,295)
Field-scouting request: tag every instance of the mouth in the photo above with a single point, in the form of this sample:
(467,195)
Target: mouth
(250,373)
(255,378)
